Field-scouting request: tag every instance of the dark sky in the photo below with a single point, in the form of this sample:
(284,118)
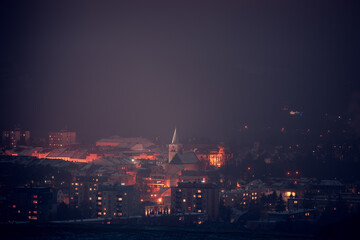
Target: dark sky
(141,67)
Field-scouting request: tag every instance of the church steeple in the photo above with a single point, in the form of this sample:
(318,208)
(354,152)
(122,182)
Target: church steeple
(174,138)
(174,147)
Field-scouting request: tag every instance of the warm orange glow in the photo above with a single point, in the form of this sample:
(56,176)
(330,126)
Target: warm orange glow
(217,158)
(147,156)
(160,200)
(89,157)
(288,194)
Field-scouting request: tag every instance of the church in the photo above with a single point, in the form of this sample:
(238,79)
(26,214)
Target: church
(182,160)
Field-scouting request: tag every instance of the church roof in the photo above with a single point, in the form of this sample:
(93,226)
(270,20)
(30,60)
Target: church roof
(185,158)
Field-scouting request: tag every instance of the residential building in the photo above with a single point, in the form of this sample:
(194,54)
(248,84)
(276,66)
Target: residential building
(195,198)
(14,138)
(61,139)
(118,201)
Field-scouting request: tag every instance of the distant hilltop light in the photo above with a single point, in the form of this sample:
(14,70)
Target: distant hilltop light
(296,113)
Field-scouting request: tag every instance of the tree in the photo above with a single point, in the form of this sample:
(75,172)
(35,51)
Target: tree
(280,204)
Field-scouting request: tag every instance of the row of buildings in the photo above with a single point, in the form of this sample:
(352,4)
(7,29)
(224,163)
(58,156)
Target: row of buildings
(17,137)
(132,177)
(129,179)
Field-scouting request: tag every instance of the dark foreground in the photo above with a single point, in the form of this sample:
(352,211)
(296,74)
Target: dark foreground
(89,232)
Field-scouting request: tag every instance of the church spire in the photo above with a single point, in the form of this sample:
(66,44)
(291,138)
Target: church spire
(174,138)
(174,147)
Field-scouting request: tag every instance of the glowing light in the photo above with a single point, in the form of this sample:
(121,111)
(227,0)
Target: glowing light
(217,158)
(288,194)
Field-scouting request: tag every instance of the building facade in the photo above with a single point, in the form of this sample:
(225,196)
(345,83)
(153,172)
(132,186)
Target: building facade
(195,198)
(61,139)
(14,138)
(32,204)
(118,201)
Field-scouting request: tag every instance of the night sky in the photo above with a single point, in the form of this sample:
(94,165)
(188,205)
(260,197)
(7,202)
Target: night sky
(140,68)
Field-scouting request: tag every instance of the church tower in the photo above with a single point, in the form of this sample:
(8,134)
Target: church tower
(174,147)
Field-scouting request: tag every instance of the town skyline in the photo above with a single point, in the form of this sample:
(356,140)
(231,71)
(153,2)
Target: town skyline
(157,119)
